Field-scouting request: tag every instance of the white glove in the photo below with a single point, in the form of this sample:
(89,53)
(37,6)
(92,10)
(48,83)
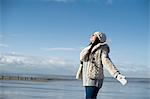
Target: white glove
(122,79)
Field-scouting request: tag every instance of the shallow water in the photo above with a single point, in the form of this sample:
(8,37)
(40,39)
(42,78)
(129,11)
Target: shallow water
(73,89)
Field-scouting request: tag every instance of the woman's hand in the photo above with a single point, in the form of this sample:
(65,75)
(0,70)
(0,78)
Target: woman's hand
(121,79)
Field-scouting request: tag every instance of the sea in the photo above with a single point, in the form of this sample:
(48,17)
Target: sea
(137,88)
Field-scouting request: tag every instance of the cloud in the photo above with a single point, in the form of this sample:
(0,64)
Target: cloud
(3,45)
(109,2)
(129,68)
(61,0)
(1,36)
(17,63)
(58,0)
(59,49)
(31,60)
(13,63)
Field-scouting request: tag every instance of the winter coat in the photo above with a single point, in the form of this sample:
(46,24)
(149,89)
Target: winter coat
(91,70)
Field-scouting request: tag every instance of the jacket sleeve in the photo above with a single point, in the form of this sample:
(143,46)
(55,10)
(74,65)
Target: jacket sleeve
(108,64)
(80,71)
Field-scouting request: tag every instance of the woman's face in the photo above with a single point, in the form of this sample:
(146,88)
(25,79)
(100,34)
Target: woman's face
(93,38)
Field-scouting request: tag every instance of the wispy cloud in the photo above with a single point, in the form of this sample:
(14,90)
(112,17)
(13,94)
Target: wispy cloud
(109,2)
(3,45)
(58,0)
(131,69)
(21,63)
(13,58)
(61,0)
(30,64)
(59,49)
(1,36)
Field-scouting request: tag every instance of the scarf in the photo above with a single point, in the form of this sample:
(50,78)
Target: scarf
(84,52)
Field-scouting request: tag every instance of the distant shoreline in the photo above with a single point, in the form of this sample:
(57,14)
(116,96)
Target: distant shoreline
(46,78)
(34,78)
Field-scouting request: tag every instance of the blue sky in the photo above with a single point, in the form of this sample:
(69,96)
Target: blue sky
(57,30)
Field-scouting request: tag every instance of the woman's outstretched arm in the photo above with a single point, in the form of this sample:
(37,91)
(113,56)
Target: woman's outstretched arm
(108,64)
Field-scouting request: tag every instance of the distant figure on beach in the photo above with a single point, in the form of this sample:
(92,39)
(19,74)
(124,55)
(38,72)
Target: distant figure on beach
(92,60)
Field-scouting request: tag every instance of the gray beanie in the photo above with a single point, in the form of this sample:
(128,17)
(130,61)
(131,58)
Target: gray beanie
(101,36)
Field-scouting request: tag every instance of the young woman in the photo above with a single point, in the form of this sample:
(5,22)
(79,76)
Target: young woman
(92,60)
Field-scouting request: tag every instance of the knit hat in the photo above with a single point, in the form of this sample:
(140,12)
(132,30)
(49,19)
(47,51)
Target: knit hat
(101,36)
